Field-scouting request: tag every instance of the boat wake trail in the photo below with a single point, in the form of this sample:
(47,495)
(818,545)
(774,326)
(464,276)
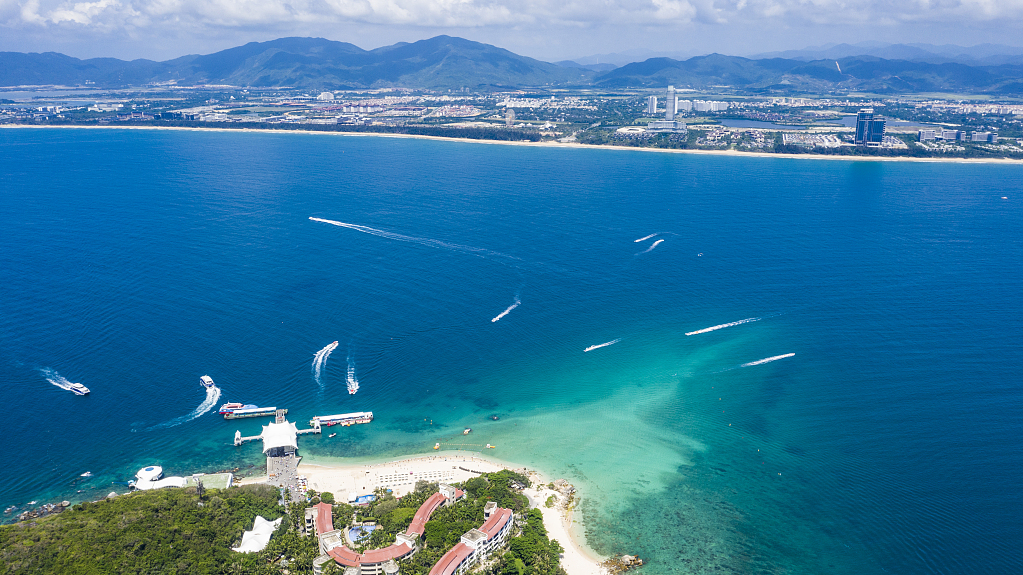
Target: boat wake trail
(416,240)
(320,360)
(517,303)
(353,382)
(644,238)
(767,360)
(605,344)
(652,246)
(724,325)
(55,378)
(212,397)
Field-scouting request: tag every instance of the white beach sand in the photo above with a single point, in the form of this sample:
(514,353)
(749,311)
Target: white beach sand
(733,153)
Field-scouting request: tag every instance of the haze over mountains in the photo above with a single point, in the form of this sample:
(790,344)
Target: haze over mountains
(446,62)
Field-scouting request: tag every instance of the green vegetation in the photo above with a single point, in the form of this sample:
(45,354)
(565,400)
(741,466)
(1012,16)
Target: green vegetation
(532,552)
(550,502)
(161,531)
(178,531)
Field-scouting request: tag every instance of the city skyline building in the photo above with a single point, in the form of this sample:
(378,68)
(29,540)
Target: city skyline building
(869,129)
(651,105)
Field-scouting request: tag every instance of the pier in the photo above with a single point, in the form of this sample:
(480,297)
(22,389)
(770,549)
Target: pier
(239,439)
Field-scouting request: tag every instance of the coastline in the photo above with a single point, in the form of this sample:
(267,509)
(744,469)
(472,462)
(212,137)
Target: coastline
(554,145)
(340,477)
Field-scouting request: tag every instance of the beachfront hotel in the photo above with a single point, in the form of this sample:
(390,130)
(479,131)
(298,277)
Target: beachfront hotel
(477,544)
(334,542)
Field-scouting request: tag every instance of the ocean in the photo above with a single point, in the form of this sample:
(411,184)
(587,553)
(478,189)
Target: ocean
(855,410)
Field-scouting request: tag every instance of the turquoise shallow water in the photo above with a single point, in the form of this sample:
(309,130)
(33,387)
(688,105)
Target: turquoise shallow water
(136,261)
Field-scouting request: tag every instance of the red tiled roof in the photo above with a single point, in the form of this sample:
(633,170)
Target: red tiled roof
(380,555)
(344,556)
(324,518)
(349,558)
(497,521)
(418,525)
(451,560)
(459,493)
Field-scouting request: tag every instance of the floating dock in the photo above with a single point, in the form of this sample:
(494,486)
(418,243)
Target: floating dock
(344,419)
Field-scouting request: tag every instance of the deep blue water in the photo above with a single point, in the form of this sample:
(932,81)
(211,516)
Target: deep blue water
(136,261)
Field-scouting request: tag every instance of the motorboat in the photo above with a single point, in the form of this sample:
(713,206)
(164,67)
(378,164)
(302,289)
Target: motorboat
(206,381)
(78,389)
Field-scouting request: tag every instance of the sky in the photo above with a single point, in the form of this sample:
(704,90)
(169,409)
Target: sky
(545,29)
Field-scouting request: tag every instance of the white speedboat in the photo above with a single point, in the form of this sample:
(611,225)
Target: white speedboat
(87,474)
(206,381)
(78,389)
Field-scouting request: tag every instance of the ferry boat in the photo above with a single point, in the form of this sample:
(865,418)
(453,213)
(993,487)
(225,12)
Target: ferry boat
(229,407)
(78,389)
(251,411)
(206,381)
(344,419)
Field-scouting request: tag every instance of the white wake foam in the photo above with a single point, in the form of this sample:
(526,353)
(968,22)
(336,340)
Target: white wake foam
(320,359)
(605,344)
(517,303)
(652,246)
(212,397)
(644,238)
(416,240)
(55,378)
(353,382)
(723,326)
(767,360)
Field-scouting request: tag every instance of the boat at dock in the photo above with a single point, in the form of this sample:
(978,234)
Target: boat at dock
(345,419)
(251,411)
(206,381)
(78,389)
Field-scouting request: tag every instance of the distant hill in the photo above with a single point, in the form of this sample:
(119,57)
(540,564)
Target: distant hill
(861,73)
(445,62)
(313,63)
(982,54)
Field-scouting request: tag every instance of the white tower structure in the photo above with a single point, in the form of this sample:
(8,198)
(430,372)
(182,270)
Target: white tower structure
(669,104)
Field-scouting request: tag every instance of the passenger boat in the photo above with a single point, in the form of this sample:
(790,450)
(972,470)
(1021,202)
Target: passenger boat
(229,407)
(78,389)
(206,381)
(251,411)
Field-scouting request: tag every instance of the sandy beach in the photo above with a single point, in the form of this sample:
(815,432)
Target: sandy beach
(568,145)
(400,475)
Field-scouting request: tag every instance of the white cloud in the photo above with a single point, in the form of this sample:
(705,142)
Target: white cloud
(197,15)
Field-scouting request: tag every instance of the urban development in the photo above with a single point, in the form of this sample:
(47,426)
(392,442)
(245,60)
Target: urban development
(667,117)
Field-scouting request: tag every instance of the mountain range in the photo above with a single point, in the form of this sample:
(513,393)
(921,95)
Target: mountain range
(440,62)
(446,62)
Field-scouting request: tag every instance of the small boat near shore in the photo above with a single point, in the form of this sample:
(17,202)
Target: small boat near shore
(467,431)
(86,474)
(332,435)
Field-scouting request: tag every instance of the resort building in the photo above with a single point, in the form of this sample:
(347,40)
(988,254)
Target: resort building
(376,561)
(477,544)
